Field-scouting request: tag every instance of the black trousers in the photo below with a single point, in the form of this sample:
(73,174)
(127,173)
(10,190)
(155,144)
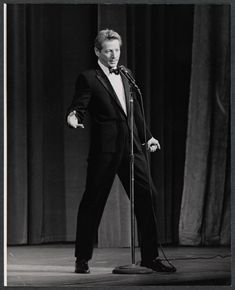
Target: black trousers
(101,172)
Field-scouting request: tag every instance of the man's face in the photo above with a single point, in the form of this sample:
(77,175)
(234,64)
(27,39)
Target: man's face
(110,53)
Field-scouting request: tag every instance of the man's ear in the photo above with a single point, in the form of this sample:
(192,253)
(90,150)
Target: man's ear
(97,52)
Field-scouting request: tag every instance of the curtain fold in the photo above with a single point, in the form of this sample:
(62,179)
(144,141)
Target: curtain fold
(17,214)
(35,123)
(206,194)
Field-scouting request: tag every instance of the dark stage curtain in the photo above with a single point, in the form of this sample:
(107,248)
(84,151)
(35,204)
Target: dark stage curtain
(48,45)
(205,213)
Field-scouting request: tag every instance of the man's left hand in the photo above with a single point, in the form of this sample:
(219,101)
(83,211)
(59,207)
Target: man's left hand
(153,145)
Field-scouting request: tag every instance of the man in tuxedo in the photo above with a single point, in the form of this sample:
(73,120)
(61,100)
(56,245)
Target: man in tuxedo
(105,93)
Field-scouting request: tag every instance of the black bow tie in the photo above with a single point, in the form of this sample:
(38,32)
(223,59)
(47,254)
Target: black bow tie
(114,70)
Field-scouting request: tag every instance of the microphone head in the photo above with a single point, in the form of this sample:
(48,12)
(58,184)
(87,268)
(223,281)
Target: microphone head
(122,68)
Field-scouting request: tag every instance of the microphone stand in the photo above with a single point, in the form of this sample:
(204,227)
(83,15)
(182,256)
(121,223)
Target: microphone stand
(133,268)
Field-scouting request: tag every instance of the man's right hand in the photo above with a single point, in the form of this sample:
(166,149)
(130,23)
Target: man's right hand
(73,121)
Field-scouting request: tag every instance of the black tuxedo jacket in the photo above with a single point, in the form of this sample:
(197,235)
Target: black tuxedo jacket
(110,124)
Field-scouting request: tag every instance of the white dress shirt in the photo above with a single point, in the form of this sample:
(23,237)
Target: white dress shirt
(116,82)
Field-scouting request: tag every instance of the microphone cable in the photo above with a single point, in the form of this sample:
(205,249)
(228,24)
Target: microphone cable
(149,174)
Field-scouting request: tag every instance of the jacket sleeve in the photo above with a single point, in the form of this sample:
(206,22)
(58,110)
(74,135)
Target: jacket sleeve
(81,99)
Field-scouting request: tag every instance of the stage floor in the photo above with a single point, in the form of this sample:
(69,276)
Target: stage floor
(53,265)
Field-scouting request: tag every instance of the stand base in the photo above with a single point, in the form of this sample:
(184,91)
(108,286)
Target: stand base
(132,269)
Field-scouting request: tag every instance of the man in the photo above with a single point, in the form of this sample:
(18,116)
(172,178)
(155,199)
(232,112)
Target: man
(105,93)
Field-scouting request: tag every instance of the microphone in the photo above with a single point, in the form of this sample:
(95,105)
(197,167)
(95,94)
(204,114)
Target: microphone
(124,70)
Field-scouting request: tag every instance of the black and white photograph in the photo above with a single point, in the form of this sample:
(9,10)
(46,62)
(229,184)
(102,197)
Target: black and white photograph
(117,144)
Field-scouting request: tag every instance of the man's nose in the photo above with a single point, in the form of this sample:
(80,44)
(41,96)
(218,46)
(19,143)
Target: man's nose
(114,54)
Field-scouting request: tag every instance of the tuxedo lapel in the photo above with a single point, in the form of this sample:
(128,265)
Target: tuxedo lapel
(106,83)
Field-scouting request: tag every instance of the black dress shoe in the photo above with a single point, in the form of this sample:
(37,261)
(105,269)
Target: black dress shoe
(81,266)
(157,266)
